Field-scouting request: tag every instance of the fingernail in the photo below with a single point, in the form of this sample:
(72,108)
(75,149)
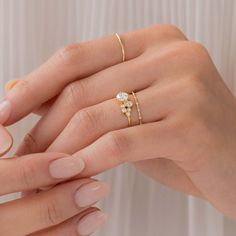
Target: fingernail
(5,140)
(66,167)
(91,193)
(10,84)
(5,110)
(92,222)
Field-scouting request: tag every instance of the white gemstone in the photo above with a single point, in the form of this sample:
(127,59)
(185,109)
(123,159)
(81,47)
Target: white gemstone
(122,96)
(124,110)
(129,103)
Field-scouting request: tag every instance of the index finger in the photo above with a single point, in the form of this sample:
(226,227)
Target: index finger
(70,63)
(78,61)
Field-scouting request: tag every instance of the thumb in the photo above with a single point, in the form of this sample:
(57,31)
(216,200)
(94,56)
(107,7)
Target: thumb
(5,110)
(5,104)
(10,84)
(6,140)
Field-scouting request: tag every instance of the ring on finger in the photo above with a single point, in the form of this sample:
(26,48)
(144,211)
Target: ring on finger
(122,47)
(138,107)
(125,105)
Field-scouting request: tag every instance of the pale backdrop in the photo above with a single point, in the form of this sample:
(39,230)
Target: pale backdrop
(31,30)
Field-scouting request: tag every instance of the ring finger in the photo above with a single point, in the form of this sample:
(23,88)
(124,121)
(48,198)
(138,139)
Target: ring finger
(90,123)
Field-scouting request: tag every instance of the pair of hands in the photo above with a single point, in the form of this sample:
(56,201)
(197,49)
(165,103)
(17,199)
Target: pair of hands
(187,140)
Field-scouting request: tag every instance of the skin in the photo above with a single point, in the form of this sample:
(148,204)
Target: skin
(41,212)
(187,140)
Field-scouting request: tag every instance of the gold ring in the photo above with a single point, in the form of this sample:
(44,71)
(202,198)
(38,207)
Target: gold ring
(138,107)
(125,105)
(122,47)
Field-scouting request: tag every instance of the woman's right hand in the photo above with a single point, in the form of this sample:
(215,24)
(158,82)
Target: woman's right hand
(62,210)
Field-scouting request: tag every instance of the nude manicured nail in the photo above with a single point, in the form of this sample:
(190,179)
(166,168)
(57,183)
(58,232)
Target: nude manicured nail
(66,167)
(5,110)
(10,84)
(91,193)
(5,140)
(92,222)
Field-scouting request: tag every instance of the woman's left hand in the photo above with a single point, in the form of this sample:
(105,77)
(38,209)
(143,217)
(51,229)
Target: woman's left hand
(188,137)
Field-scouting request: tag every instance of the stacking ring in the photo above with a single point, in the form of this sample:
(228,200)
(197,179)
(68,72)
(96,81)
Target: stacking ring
(138,107)
(125,104)
(122,47)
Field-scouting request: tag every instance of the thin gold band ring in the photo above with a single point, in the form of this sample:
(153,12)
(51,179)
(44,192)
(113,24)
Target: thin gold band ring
(138,107)
(122,47)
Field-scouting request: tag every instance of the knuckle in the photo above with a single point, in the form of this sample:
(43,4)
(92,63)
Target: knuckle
(26,174)
(198,47)
(197,89)
(68,55)
(117,145)
(86,119)
(176,51)
(52,213)
(30,144)
(169,28)
(73,94)
(168,31)
(193,50)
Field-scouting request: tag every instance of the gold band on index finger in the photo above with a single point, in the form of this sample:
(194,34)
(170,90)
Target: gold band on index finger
(122,47)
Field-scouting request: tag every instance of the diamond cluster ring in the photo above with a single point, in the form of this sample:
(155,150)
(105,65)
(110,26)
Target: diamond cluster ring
(125,105)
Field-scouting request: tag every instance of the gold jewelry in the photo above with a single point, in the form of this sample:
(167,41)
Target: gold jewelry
(125,104)
(122,47)
(138,107)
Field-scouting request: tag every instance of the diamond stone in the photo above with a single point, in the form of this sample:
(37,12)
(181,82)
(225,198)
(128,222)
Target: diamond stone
(122,96)
(129,104)
(124,110)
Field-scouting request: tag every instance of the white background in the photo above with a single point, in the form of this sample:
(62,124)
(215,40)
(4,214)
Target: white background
(31,30)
